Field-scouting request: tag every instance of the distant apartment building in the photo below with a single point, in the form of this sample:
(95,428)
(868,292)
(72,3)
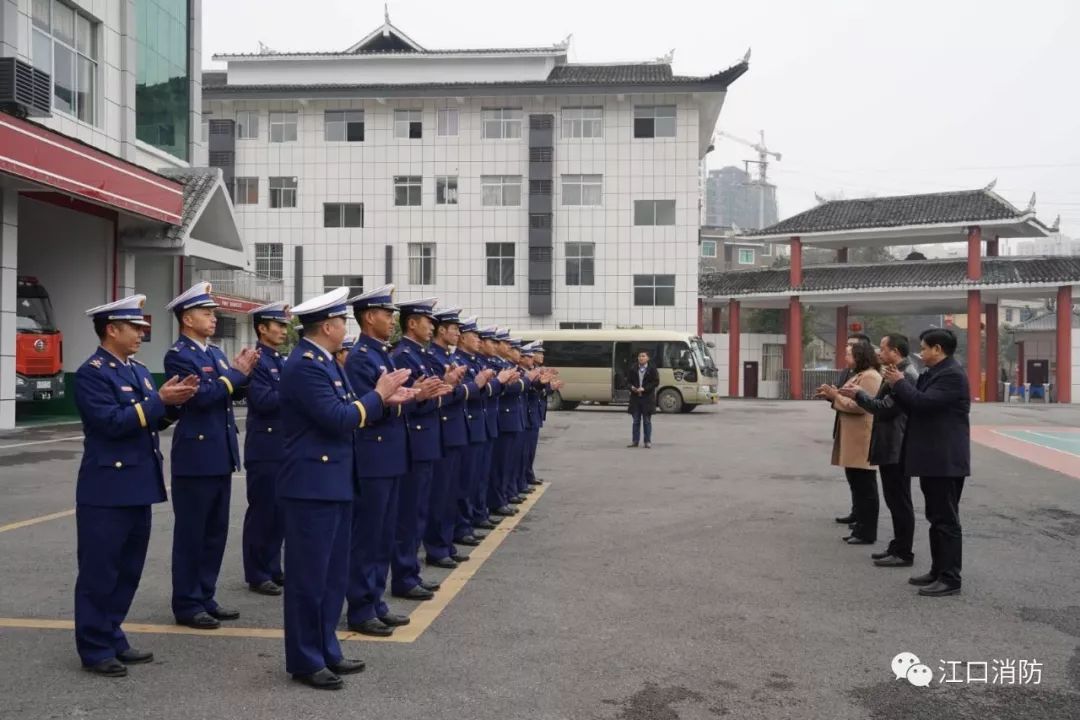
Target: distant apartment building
(721,249)
(733,200)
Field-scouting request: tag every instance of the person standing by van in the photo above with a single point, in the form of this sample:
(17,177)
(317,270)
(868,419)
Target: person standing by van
(643,380)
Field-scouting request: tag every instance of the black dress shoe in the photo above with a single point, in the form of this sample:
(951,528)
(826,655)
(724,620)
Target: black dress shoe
(505,511)
(200,621)
(459,558)
(495,520)
(131,656)
(632,445)
(470,541)
(279,580)
(880,555)
(939,589)
(537,481)
(109,668)
(485,525)
(391,620)
(321,680)
(856,540)
(373,627)
(648,445)
(516,500)
(223,614)
(416,592)
(266,587)
(445,563)
(432,586)
(527,490)
(347,667)
(923,580)
(893,561)
(846,520)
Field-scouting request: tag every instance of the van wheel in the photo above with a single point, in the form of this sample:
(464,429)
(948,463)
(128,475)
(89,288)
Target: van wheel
(556,403)
(670,401)
(687,407)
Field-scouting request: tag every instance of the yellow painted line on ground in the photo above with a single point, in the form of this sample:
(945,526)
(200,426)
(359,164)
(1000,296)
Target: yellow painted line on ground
(422,617)
(427,612)
(35,521)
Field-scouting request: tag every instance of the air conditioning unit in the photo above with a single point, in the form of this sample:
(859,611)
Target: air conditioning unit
(24,90)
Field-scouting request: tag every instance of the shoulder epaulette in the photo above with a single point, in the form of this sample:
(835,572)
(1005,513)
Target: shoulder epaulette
(176,348)
(137,362)
(96,362)
(309,355)
(363,348)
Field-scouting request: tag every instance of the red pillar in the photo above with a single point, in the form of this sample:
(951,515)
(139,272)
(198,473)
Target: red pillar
(717,320)
(841,255)
(841,335)
(734,370)
(796,262)
(1063,375)
(794,347)
(974,344)
(993,375)
(700,317)
(1020,363)
(974,265)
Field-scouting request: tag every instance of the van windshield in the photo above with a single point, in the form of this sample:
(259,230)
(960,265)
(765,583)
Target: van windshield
(702,357)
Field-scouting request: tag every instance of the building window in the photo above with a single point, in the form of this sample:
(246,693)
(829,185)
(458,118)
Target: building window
(247,124)
(355,283)
(282,127)
(64,44)
(343,215)
(282,192)
(579,326)
(446,191)
(583,122)
(580,259)
(653,290)
(421,263)
(269,260)
(501,190)
(446,122)
(708,248)
(767,250)
(746,256)
(246,191)
(408,189)
(409,124)
(654,212)
(500,263)
(162,79)
(501,123)
(343,126)
(654,121)
(581,189)
(772,361)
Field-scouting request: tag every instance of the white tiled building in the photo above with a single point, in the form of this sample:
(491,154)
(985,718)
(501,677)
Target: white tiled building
(528,190)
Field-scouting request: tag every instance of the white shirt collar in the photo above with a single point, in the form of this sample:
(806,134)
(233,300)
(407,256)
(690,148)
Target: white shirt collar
(324,351)
(201,345)
(121,361)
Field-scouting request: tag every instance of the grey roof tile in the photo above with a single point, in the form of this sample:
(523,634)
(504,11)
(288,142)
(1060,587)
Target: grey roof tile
(628,73)
(198,184)
(926,209)
(917,273)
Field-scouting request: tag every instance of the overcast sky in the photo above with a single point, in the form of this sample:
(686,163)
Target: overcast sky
(862,98)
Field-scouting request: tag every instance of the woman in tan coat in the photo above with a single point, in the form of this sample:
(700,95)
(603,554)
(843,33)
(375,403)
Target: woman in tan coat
(851,445)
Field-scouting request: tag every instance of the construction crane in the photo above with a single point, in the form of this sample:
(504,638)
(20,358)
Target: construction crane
(762,162)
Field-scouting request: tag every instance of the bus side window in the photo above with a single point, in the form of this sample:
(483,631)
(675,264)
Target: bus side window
(676,356)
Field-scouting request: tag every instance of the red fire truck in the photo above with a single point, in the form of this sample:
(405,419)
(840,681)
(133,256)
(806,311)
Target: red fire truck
(39,346)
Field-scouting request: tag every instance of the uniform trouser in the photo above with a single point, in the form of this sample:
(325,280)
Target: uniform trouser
(471,462)
(501,467)
(446,488)
(414,501)
(896,488)
(864,487)
(481,509)
(263,531)
(534,440)
(201,507)
(374,520)
(516,464)
(942,496)
(112,544)
(317,535)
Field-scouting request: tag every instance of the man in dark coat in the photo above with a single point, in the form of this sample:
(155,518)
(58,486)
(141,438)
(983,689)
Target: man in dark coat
(938,450)
(643,379)
(887,451)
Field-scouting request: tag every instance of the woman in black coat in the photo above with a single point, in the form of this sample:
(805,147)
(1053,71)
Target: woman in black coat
(642,379)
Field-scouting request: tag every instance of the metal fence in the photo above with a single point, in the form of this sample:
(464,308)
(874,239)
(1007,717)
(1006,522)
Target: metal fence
(811,380)
(243,283)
